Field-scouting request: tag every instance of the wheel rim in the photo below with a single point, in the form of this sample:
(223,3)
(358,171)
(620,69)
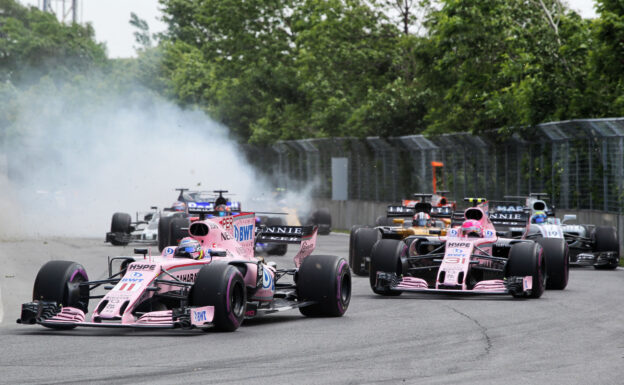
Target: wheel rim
(237,300)
(345,289)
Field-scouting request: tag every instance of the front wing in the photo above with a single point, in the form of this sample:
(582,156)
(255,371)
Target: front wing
(511,285)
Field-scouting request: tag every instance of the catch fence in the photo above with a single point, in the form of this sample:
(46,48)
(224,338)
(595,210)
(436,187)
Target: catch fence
(579,163)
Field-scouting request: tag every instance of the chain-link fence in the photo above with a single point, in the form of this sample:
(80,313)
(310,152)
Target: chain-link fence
(578,163)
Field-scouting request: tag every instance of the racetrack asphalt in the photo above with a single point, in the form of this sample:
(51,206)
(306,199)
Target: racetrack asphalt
(575,336)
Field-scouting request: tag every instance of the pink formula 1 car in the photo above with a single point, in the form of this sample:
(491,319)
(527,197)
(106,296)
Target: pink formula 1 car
(471,259)
(212,279)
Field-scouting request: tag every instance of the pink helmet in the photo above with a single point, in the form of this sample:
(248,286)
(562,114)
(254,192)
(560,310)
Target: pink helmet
(472,228)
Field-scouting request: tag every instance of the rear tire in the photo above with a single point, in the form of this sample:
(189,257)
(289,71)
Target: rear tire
(526,258)
(222,286)
(557,258)
(363,241)
(351,242)
(322,218)
(178,229)
(386,257)
(121,223)
(606,239)
(327,280)
(58,281)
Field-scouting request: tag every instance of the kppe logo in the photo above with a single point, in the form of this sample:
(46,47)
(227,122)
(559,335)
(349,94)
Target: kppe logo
(243,233)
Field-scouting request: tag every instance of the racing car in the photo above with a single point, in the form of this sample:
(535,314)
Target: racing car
(124,230)
(438,201)
(423,218)
(471,259)
(587,244)
(210,280)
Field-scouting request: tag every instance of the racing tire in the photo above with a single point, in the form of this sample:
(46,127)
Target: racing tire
(380,221)
(58,281)
(163,232)
(386,257)
(351,239)
(222,286)
(605,239)
(526,258)
(557,258)
(121,223)
(322,218)
(325,279)
(363,241)
(178,229)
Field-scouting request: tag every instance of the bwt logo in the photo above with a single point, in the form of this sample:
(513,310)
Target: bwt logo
(243,233)
(200,316)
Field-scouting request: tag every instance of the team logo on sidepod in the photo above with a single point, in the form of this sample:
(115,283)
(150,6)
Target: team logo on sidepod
(267,280)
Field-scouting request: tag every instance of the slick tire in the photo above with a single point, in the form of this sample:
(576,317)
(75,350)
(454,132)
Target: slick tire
(325,279)
(322,218)
(386,257)
(605,239)
(526,258)
(557,258)
(178,229)
(163,232)
(59,281)
(351,242)
(222,286)
(121,224)
(363,241)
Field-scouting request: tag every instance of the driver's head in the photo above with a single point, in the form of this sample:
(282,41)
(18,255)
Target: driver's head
(421,219)
(222,210)
(538,217)
(189,248)
(472,229)
(178,206)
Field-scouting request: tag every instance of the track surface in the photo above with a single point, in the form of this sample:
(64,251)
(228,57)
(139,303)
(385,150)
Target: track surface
(572,336)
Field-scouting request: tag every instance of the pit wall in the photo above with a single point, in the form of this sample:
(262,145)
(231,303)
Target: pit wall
(355,212)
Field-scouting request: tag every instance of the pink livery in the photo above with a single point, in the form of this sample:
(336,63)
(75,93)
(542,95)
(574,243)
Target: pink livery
(471,259)
(212,279)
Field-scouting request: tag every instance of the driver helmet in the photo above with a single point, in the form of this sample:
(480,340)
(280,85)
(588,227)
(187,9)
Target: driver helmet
(189,248)
(178,206)
(421,219)
(471,229)
(222,210)
(539,217)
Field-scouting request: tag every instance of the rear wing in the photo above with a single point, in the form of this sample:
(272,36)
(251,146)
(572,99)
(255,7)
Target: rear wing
(407,211)
(442,212)
(507,207)
(305,235)
(506,221)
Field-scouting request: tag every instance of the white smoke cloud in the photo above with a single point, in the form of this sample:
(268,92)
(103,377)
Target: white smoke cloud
(79,155)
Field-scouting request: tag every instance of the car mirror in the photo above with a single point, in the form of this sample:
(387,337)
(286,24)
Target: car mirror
(141,251)
(569,217)
(148,217)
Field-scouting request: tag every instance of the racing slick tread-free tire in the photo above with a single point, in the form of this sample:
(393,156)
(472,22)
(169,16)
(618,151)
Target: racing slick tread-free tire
(557,259)
(363,241)
(354,229)
(605,239)
(325,279)
(163,232)
(121,223)
(178,229)
(58,281)
(386,257)
(526,258)
(222,286)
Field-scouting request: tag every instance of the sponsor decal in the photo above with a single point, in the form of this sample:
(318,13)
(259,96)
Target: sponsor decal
(457,244)
(294,230)
(141,266)
(453,233)
(190,277)
(135,280)
(226,223)
(168,251)
(509,208)
(489,233)
(267,280)
(136,274)
(250,313)
(225,236)
(507,216)
(200,316)
(243,233)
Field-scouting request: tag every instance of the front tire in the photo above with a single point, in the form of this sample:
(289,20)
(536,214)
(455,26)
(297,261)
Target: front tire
(386,257)
(606,240)
(121,223)
(325,279)
(557,259)
(363,241)
(222,286)
(59,281)
(526,258)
